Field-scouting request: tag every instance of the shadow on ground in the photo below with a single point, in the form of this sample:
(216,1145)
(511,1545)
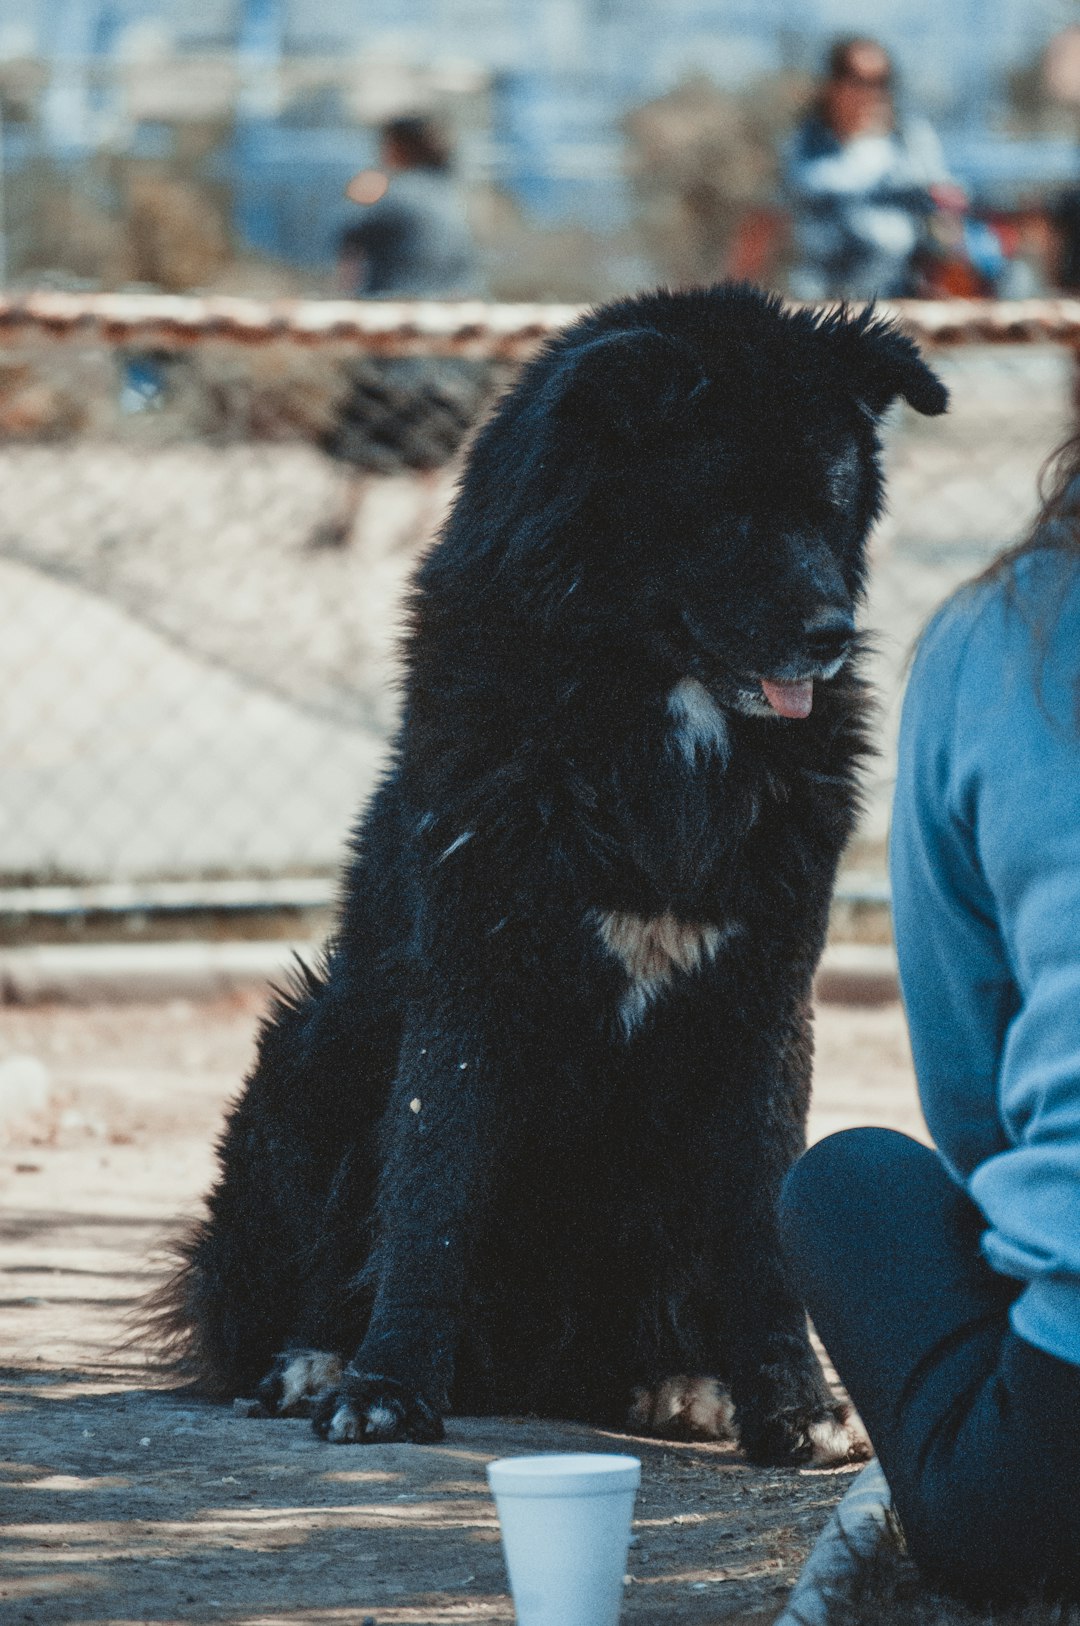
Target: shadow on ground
(126,1504)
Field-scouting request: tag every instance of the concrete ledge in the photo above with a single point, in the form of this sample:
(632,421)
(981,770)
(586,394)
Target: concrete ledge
(85,974)
(857,974)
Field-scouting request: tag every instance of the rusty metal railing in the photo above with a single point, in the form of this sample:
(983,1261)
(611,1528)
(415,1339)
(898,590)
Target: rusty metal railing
(428,327)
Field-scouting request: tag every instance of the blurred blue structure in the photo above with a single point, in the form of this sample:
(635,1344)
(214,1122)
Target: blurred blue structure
(286,182)
(260,37)
(559,75)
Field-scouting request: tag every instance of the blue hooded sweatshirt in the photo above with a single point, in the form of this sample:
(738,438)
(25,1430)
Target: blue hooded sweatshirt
(985,861)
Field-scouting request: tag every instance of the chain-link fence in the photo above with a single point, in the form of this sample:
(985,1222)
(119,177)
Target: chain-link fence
(204,543)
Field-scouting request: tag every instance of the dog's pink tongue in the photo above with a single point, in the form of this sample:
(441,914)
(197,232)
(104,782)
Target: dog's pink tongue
(789,699)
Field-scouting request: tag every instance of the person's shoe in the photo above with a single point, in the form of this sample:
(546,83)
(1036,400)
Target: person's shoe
(859,1523)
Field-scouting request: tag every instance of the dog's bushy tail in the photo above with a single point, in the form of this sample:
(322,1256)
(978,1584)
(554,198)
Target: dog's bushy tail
(167,1328)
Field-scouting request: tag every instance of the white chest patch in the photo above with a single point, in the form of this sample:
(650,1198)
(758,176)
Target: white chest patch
(653,951)
(701,729)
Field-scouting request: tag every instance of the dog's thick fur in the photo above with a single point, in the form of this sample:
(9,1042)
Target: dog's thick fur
(516,1147)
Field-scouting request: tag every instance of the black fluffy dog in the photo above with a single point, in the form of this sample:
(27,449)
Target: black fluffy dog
(516,1147)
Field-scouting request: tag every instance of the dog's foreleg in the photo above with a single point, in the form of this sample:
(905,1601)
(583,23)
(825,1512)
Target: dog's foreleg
(438,1144)
(785,1411)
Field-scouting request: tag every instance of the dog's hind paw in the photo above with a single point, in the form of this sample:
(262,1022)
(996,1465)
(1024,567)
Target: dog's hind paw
(683,1408)
(370,1409)
(295,1379)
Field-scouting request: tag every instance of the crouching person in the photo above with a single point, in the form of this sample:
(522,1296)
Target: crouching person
(946,1284)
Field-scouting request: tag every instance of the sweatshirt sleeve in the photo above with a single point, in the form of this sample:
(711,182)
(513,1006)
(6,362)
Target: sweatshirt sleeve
(845,172)
(1030,1191)
(925,154)
(987,864)
(955,980)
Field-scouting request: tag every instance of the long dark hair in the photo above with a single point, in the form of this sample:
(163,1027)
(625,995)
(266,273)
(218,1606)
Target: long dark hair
(1057,523)
(1055,529)
(422,142)
(838,58)
(837,66)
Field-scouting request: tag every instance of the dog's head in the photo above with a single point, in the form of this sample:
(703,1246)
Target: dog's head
(700,472)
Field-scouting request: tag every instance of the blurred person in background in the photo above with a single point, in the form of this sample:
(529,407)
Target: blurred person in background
(413,240)
(861,183)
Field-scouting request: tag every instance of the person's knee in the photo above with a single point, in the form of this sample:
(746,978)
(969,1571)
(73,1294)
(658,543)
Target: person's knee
(819,1188)
(830,1194)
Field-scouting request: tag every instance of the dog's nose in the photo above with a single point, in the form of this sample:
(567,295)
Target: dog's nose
(827,633)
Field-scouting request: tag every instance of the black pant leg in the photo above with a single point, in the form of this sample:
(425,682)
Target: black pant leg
(884,1250)
(977,1432)
(994,1511)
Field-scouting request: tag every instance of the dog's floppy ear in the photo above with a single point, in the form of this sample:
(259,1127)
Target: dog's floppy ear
(885,363)
(625,385)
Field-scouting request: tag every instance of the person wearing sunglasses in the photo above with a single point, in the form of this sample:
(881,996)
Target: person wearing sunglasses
(861,182)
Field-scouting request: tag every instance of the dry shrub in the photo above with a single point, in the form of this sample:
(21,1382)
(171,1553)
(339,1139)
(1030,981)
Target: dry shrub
(61,231)
(220,391)
(175,238)
(53,390)
(701,160)
(22,82)
(525,261)
(165,232)
(30,409)
(214,391)
(376,415)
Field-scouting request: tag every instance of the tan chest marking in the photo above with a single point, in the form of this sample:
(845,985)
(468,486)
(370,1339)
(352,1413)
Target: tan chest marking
(653,950)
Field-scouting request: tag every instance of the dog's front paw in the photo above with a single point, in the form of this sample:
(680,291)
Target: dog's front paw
(373,1409)
(838,1438)
(822,1438)
(295,1379)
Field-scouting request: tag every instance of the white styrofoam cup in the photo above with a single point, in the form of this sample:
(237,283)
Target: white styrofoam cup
(566,1532)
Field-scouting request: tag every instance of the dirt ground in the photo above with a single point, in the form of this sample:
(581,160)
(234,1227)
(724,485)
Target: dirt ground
(121,1503)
